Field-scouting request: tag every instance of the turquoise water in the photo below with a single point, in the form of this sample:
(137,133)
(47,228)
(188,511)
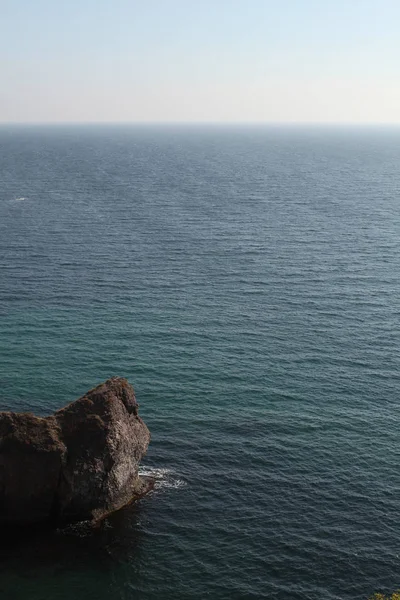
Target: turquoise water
(246,281)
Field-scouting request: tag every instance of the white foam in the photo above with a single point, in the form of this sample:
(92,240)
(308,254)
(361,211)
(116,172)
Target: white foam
(154,472)
(164,478)
(177,483)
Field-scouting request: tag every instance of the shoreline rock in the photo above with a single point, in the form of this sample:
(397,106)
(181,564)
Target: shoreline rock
(81,463)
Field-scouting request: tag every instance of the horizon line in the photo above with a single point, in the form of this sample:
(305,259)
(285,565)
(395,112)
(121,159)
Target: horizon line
(219,123)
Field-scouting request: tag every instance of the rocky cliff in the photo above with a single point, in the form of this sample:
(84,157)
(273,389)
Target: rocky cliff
(79,464)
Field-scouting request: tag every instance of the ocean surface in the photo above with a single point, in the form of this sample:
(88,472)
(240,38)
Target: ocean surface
(246,280)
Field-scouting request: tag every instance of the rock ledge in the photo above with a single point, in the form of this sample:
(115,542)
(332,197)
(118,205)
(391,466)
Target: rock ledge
(81,463)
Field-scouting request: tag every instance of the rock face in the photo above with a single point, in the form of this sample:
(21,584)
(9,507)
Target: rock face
(80,463)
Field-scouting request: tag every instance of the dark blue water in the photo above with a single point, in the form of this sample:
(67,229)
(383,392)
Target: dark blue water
(247,282)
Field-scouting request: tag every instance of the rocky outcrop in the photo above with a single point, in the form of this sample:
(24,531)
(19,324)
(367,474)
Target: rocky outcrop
(79,464)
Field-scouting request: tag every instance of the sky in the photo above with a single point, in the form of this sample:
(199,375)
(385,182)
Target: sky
(290,61)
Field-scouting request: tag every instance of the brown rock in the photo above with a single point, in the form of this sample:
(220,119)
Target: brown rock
(80,463)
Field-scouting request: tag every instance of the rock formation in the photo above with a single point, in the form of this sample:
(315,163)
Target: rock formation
(81,463)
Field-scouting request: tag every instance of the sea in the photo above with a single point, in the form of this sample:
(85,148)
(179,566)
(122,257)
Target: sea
(246,280)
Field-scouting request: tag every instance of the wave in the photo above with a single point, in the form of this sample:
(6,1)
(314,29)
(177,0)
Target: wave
(164,478)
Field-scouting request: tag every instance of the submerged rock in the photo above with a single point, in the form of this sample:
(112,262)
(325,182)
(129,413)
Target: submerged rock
(79,464)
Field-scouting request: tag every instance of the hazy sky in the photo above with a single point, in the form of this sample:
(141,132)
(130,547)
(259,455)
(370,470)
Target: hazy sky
(200,60)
